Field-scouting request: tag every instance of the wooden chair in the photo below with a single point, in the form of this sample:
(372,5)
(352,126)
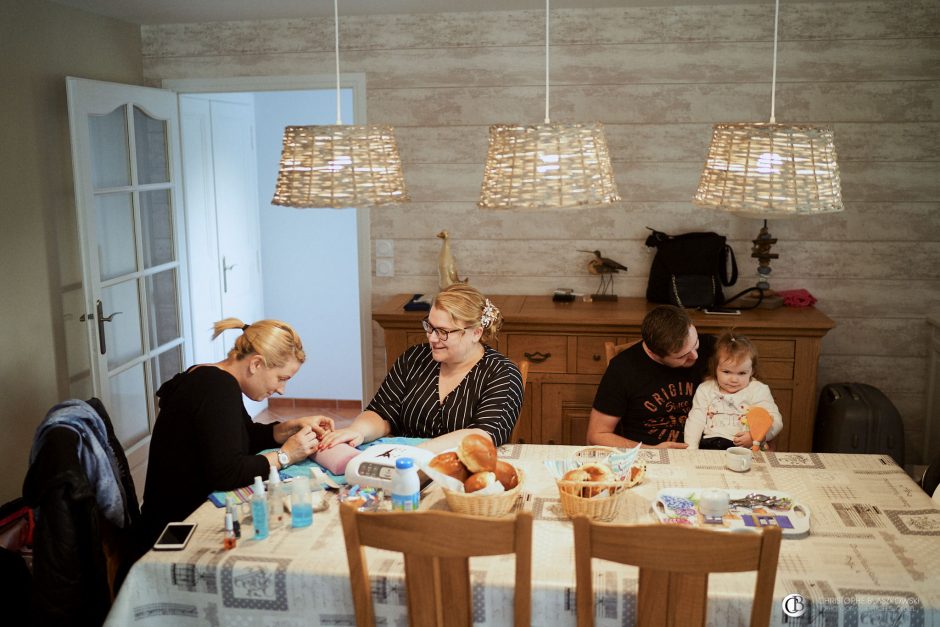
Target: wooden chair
(674,564)
(436,546)
(613,350)
(524,371)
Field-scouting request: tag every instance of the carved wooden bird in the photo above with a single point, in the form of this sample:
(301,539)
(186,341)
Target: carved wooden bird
(602,265)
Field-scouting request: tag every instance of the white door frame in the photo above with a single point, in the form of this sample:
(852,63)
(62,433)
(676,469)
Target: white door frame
(356,82)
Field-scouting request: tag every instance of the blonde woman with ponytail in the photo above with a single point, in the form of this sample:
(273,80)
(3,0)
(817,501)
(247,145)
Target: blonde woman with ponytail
(204,440)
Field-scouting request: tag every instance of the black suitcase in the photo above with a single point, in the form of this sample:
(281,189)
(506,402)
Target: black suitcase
(858,418)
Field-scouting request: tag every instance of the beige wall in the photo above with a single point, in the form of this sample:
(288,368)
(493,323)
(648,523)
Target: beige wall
(658,78)
(42,43)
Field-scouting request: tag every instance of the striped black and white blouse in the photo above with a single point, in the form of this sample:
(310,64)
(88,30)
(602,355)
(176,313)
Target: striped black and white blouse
(489,397)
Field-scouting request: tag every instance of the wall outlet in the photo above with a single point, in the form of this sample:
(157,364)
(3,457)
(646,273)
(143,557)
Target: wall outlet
(384,248)
(384,267)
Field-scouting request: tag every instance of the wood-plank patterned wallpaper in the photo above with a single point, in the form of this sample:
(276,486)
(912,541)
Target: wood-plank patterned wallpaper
(658,78)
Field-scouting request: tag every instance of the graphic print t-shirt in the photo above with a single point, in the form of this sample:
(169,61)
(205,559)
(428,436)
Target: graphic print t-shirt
(652,400)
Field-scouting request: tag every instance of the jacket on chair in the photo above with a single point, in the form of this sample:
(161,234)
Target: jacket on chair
(77,501)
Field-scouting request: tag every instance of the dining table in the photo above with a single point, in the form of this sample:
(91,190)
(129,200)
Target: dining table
(868,553)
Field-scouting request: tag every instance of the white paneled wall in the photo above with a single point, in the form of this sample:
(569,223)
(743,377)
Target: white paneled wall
(658,78)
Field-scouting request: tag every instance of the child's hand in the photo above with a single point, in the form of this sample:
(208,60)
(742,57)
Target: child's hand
(743,439)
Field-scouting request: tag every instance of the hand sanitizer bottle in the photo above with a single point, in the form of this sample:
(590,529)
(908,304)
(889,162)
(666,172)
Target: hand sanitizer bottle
(301,505)
(259,509)
(229,541)
(276,497)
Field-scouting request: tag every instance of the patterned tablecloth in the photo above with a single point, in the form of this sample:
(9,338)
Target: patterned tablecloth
(872,556)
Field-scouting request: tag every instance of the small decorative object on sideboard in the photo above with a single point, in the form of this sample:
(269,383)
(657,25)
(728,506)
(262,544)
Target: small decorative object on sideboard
(446,266)
(605,268)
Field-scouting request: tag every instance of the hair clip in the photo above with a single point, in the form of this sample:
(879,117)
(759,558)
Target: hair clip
(245,328)
(489,313)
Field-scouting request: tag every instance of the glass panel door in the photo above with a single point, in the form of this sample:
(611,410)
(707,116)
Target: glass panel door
(125,156)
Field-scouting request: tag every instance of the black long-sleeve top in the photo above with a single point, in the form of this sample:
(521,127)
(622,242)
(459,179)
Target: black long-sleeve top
(489,397)
(203,441)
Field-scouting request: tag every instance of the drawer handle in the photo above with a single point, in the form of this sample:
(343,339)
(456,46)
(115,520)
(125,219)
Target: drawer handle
(596,357)
(537,358)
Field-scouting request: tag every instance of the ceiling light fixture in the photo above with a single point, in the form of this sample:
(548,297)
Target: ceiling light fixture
(547,165)
(339,166)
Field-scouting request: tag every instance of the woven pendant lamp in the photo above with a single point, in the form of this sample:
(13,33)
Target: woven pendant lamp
(771,170)
(547,165)
(341,165)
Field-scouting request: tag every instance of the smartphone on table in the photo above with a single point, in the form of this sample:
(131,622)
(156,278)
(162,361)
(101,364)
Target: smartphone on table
(722,311)
(175,536)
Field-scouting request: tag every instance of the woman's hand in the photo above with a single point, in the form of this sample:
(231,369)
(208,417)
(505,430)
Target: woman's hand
(301,445)
(349,435)
(743,439)
(319,424)
(668,445)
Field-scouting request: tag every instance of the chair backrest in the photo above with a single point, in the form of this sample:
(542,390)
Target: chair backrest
(436,547)
(612,350)
(524,371)
(674,564)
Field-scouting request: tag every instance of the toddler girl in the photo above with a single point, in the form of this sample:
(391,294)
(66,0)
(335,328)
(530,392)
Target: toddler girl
(718,418)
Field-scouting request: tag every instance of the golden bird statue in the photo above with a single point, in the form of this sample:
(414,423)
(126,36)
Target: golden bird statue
(446,266)
(605,268)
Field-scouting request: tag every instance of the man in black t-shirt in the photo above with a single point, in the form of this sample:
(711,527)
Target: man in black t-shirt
(646,392)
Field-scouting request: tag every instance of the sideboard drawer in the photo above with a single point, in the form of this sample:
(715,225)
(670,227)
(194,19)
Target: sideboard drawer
(592,356)
(545,353)
(780,349)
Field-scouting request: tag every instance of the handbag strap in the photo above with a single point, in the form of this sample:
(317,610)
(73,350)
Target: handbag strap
(726,253)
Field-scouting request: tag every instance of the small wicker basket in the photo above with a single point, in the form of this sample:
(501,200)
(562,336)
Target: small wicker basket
(576,498)
(487,505)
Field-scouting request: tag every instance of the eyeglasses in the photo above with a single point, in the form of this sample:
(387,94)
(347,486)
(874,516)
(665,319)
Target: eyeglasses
(442,334)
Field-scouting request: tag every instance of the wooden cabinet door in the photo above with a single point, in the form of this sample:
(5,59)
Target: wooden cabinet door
(566,408)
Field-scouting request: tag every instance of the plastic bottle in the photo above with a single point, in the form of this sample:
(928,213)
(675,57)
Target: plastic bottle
(231,507)
(406,487)
(259,509)
(301,504)
(276,496)
(229,541)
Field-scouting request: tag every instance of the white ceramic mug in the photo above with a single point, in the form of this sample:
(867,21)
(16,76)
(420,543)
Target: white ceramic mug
(714,502)
(738,459)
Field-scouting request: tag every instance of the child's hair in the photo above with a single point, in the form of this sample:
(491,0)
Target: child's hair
(732,346)
(277,342)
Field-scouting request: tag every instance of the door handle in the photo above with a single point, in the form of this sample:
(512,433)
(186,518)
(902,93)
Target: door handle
(102,344)
(225,269)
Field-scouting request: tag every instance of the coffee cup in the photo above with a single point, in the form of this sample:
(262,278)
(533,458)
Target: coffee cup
(738,459)
(714,502)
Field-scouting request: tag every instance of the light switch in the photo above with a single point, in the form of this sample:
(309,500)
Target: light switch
(384,267)
(384,248)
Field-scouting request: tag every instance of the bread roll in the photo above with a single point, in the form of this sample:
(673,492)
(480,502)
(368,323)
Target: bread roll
(590,472)
(478,481)
(449,464)
(477,453)
(506,474)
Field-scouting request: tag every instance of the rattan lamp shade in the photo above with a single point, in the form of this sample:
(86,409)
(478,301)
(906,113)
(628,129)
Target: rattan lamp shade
(771,171)
(547,165)
(339,166)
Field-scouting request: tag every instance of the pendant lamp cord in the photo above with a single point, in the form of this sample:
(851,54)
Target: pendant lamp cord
(547,120)
(339,117)
(773,81)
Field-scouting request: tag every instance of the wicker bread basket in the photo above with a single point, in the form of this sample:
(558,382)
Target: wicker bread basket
(487,505)
(576,499)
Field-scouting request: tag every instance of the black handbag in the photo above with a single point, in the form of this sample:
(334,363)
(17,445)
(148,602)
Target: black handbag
(689,270)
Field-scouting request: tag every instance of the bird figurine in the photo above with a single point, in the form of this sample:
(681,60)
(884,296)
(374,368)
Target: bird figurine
(446,266)
(605,268)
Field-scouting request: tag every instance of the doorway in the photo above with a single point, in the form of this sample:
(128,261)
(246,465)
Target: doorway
(314,263)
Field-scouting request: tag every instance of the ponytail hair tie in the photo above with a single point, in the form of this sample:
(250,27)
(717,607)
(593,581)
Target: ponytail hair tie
(245,328)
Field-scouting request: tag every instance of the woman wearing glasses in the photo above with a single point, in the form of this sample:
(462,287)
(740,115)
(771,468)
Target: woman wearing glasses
(448,388)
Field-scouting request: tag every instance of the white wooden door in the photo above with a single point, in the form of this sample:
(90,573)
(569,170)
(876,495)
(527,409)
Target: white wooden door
(219,162)
(126,167)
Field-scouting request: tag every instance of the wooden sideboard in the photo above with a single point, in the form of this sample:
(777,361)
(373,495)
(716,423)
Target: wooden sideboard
(564,343)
